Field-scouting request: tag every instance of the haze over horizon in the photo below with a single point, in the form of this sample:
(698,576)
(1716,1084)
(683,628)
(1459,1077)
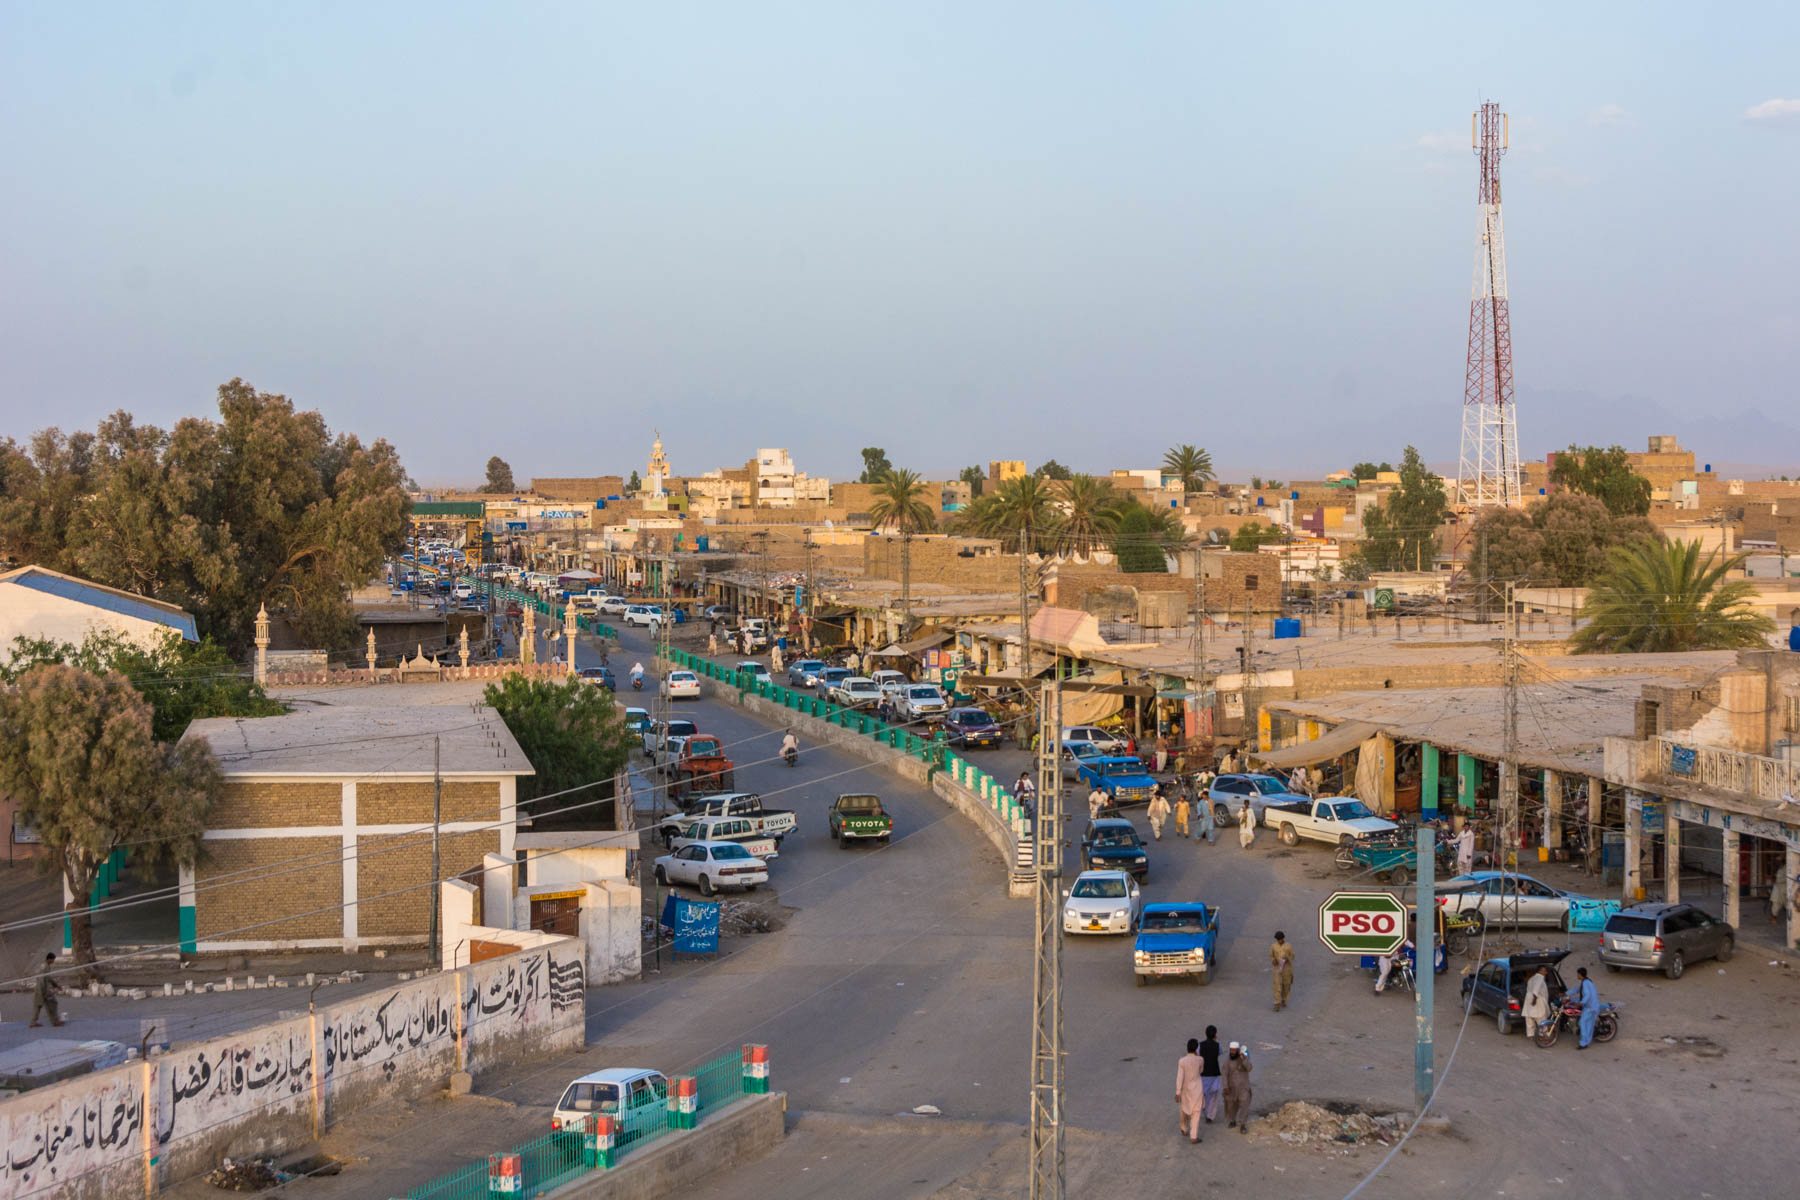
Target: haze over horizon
(958,232)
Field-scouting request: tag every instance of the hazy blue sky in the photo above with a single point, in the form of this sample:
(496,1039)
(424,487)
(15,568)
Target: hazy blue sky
(958,230)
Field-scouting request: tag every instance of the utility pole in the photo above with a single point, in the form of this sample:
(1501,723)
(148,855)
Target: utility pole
(1425,958)
(659,703)
(1025,609)
(1199,605)
(906,535)
(437,816)
(1250,730)
(1506,835)
(1047,1090)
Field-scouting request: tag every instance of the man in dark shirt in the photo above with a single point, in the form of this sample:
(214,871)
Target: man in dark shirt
(1212,1083)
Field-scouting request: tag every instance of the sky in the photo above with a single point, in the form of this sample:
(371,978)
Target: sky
(958,231)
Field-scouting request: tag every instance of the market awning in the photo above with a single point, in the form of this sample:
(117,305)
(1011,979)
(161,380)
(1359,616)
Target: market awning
(926,641)
(1339,741)
(889,652)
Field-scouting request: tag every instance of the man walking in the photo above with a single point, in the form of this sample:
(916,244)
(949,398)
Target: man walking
(1237,1087)
(1588,997)
(43,995)
(1465,850)
(1281,967)
(1246,825)
(1208,829)
(1188,1090)
(1211,1082)
(1181,815)
(1097,802)
(1158,812)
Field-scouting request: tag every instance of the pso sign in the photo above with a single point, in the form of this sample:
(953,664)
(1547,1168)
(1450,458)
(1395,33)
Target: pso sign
(1362,923)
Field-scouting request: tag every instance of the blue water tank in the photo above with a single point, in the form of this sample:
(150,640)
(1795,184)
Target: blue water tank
(1287,627)
(1794,638)
(1259,502)
(700,542)
(1293,495)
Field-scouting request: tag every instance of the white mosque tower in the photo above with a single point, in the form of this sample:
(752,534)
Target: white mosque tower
(656,473)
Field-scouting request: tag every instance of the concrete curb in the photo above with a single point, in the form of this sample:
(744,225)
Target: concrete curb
(676,1162)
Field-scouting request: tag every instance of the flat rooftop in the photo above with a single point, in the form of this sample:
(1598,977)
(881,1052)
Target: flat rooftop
(395,738)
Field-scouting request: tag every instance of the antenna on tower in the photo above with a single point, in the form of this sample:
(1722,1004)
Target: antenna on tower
(1489,471)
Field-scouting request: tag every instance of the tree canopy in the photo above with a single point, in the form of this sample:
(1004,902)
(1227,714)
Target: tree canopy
(1189,464)
(572,733)
(1090,514)
(1136,542)
(875,464)
(1250,535)
(634,483)
(1400,534)
(1660,596)
(78,753)
(1369,470)
(900,502)
(975,477)
(263,506)
(1054,470)
(1563,540)
(1606,475)
(499,476)
(1023,504)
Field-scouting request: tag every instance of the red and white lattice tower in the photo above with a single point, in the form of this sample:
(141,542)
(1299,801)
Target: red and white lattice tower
(1489,473)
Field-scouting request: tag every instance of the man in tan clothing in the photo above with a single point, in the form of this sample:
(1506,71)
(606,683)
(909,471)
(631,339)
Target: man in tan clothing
(1189,1092)
(1237,1088)
(1281,968)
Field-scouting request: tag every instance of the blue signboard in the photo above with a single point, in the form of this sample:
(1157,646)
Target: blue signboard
(1681,760)
(695,922)
(518,524)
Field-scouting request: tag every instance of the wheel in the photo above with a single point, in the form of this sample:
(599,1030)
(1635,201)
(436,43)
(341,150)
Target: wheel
(1204,978)
(1499,1015)
(1399,877)
(1676,967)
(885,838)
(751,887)
(1289,835)
(1547,1033)
(706,888)
(1563,925)
(1142,980)
(1606,1027)
(1615,968)
(1221,814)
(1477,922)
(662,876)
(1725,948)
(1345,860)
(1345,839)
(668,839)
(1456,942)
(843,843)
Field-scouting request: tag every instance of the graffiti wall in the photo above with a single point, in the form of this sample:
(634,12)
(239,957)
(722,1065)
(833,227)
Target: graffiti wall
(273,1087)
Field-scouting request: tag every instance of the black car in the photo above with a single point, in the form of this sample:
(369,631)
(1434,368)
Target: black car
(600,677)
(1112,844)
(968,727)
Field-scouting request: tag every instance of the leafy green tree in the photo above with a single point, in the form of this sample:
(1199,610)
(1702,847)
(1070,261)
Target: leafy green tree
(1189,464)
(1054,470)
(1659,596)
(633,484)
(1369,470)
(875,464)
(1400,534)
(1605,475)
(1090,515)
(1135,542)
(900,503)
(1561,541)
(1023,504)
(79,755)
(575,737)
(975,477)
(1250,535)
(180,681)
(499,476)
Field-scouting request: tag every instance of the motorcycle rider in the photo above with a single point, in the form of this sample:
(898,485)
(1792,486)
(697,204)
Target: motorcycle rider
(637,675)
(1588,997)
(790,746)
(1386,963)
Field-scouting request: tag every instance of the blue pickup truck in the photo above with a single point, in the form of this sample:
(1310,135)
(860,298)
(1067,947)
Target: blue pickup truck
(1176,939)
(1122,778)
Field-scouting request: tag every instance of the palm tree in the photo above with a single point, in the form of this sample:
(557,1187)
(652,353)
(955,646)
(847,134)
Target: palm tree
(1190,464)
(898,501)
(1658,596)
(1025,504)
(1089,515)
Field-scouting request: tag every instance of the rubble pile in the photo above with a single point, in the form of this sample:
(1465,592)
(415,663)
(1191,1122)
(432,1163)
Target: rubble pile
(1299,1123)
(741,917)
(248,1175)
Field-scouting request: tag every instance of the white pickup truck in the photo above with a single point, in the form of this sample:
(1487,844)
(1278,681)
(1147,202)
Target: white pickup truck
(774,823)
(1333,819)
(725,829)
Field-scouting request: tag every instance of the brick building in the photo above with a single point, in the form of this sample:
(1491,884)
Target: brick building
(323,837)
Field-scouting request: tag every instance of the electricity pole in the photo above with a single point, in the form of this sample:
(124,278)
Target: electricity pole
(1506,836)
(1250,730)
(1047,1091)
(1025,611)
(437,815)
(905,581)
(1199,606)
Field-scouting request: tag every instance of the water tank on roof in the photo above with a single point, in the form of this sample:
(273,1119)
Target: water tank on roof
(1259,502)
(1287,627)
(700,541)
(1794,638)
(1293,495)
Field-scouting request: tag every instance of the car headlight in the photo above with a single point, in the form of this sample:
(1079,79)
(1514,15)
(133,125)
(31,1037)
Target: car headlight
(1140,956)
(1117,913)
(1140,858)
(1197,954)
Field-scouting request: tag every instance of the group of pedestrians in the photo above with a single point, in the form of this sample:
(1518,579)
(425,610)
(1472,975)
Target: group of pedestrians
(1208,1078)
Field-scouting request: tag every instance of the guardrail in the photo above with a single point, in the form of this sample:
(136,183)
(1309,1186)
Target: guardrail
(586,624)
(557,1158)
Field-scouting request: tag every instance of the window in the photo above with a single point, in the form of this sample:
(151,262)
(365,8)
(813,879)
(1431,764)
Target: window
(1493,975)
(1532,887)
(1249,583)
(691,853)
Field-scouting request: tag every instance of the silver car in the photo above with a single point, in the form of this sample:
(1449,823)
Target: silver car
(1102,902)
(1488,898)
(1663,937)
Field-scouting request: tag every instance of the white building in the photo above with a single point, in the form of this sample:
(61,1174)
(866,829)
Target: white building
(39,603)
(778,485)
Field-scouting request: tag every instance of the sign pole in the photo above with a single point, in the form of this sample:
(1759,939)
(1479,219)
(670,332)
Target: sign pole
(1425,968)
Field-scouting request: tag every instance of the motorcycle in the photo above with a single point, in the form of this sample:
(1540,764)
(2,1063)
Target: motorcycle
(637,683)
(1606,1024)
(790,756)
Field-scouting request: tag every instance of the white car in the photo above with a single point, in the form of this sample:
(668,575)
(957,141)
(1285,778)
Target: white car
(758,670)
(620,1091)
(855,691)
(712,865)
(682,685)
(462,591)
(614,606)
(890,682)
(1102,902)
(662,733)
(922,701)
(647,615)
(1110,742)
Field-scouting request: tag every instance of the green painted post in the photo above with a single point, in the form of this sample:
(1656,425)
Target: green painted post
(1468,778)
(1428,785)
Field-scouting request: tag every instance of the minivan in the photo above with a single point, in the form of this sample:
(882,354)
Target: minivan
(1663,937)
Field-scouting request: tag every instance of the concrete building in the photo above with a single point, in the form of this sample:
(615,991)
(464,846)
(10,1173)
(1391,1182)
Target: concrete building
(779,485)
(36,602)
(1002,469)
(323,838)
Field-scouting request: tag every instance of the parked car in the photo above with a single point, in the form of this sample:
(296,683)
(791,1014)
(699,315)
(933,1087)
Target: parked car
(647,615)
(682,685)
(1123,779)
(890,682)
(1111,742)
(856,691)
(828,678)
(718,612)
(1102,902)
(756,670)
(1229,794)
(1333,819)
(638,721)
(1664,937)
(462,591)
(700,767)
(858,815)
(655,736)
(710,865)
(970,728)
(741,830)
(775,823)
(1112,843)
(1176,939)
(614,606)
(1077,754)
(804,673)
(1498,986)
(1481,896)
(922,702)
(758,631)
(618,1091)
(599,677)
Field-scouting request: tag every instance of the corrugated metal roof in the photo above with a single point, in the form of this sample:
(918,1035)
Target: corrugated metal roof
(142,608)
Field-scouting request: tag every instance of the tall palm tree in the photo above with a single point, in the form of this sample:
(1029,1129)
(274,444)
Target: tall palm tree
(899,501)
(1026,504)
(1190,464)
(1089,515)
(1658,596)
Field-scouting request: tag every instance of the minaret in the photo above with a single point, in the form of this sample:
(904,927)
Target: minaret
(656,473)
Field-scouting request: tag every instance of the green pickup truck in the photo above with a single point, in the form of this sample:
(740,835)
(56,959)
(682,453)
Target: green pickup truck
(859,816)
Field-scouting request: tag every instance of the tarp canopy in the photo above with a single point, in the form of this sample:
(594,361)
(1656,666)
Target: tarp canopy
(1338,742)
(889,652)
(578,573)
(927,640)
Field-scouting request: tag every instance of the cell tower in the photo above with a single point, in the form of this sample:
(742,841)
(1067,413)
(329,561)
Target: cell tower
(1489,473)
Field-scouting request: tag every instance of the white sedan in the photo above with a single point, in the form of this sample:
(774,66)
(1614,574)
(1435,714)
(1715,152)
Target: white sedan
(683,685)
(647,615)
(1102,902)
(712,865)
